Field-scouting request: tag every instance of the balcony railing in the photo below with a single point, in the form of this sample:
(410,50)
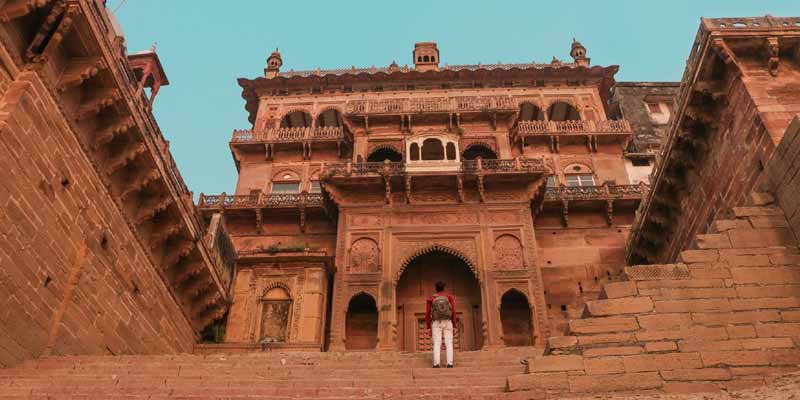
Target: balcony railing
(433,104)
(288,135)
(278,200)
(576,127)
(467,166)
(604,192)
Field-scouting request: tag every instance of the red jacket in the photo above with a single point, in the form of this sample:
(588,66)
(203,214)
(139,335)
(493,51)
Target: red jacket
(428,308)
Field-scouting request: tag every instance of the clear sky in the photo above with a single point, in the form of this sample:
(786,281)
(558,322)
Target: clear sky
(205,45)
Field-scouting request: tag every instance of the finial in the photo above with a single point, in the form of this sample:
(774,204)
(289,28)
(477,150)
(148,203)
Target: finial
(153,47)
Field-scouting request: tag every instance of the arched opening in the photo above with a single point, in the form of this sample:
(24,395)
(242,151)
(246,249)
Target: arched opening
(561,111)
(432,149)
(385,153)
(450,151)
(416,284)
(515,318)
(276,309)
(414,152)
(296,119)
(530,112)
(479,150)
(328,118)
(361,323)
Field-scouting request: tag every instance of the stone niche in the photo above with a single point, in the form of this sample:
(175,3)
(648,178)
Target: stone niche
(280,301)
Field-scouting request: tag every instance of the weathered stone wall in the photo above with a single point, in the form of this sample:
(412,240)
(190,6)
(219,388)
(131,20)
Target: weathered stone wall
(56,295)
(782,175)
(726,317)
(630,100)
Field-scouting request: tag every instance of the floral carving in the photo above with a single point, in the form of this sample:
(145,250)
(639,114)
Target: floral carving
(463,249)
(508,253)
(364,256)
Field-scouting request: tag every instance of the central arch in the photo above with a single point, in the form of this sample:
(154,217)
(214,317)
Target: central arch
(416,282)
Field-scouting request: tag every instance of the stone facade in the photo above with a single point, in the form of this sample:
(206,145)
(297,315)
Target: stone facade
(101,251)
(391,174)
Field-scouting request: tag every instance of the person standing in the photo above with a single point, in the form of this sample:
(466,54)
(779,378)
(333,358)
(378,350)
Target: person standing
(440,315)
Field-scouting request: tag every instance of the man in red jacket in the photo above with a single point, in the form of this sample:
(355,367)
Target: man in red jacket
(440,315)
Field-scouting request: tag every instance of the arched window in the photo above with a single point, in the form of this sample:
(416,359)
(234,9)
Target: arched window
(414,152)
(285,182)
(330,117)
(432,149)
(361,323)
(450,151)
(561,111)
(425,58)
(530,112)
(276,309)
(578,175)
(479,150)
(296,119)
(384,153)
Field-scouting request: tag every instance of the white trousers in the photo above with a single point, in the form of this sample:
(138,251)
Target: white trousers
(437,329)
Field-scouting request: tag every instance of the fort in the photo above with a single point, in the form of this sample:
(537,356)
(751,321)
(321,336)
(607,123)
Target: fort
(600,237)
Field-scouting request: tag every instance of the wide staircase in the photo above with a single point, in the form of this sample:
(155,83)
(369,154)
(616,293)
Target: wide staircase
(332,376)
(725,318)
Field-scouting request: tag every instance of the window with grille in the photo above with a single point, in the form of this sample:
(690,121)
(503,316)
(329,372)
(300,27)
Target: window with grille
(286,187)
(580,180)
(315,188)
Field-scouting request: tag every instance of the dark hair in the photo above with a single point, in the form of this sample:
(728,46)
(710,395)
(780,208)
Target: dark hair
(439,286)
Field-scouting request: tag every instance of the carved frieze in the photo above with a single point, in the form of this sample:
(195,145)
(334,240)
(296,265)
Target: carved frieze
(508,253)
(365,220)
(406,251)
(365,256)
(435,218)
(504,217)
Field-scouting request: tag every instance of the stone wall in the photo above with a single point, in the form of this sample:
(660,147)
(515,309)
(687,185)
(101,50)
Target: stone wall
(782,175)
(75,278)
(726,317)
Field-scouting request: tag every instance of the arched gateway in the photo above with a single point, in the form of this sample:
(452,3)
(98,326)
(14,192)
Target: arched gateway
(416,283)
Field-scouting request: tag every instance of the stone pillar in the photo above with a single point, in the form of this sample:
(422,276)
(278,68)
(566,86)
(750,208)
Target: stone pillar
(312,320)
(237,329)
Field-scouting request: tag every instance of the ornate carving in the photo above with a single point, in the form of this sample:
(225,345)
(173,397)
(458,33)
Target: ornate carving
(463,249)
(364,256)
(369,220)
(435,218)
(504,217)
(508,253)
(772,53)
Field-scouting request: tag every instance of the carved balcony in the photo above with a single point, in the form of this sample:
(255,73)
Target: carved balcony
(247,201)
(434,167)
(431,105)
(606,198)
(557,133)
(268,139)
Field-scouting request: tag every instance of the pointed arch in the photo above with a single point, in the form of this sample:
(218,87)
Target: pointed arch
(434,248)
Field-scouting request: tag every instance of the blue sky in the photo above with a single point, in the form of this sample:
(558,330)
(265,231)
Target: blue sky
(205,45)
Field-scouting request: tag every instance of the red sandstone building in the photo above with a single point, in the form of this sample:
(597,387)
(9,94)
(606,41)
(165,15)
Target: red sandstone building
(533,190)
(359,188)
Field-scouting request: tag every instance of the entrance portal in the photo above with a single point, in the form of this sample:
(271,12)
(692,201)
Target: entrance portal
(361,323)
(515,316)
(417,284)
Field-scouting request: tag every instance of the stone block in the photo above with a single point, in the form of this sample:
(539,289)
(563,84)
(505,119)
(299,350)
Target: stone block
(555,363)
(767,343)
(761,237)
(606,338)
(681,283)
(735,358)
(790,316)
(769,222)
(603,325)
(761,199)
(615,290)
(712,270)
(625,305)
(728,224)
(656,347)
(702,374)
(784,357)
(764,303)
(694,332)
(615,382)
(683,306)
(699,256)
(741,331)
(664,321)
(553,381)
(766,275)
(661,362)
(712,241)
(562,342)
(604,365)
(697,293)
(787,329)
(742,212)
(657,271)
(739,317)
(613,351)
(689,387)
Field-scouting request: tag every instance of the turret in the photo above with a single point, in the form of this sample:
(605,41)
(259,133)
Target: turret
(578,53)
(426,56)
(274,62)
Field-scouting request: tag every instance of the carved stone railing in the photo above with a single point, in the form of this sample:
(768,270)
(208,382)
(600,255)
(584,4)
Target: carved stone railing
(433,104)
(288,135)
(276,200)
(603,192)
(526,128)
(751,23)
(516,165)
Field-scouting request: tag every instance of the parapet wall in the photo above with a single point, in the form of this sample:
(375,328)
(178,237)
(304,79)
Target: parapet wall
(726,317)
(783,174)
